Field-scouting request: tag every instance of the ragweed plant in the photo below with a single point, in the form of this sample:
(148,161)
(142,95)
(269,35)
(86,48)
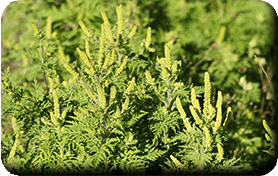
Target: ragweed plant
(202,139)
(114,105)
(86,121)
(165,88)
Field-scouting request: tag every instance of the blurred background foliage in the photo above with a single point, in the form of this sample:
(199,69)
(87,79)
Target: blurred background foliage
(218,36)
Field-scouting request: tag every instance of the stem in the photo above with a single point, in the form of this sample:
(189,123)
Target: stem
(47,89)
(267,78)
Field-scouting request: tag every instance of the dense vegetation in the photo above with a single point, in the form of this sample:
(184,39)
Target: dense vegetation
(154,87)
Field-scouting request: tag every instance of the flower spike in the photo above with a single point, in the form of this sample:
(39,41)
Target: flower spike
(84,29)
(148,40)
(119,10)
(207,104)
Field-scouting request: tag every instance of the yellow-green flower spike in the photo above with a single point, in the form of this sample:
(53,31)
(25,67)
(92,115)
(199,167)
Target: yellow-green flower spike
(109,34)
(48,27)
(67,59)
(74,73)
(176,161)
(106,62)
(106,83)
(118,112)
(207,104)
(183,114)
(101,46)
(87,49)
(107,27)
(51,84)
(220,151)
(148,40)
(180,108)
(14,124)
(119,70)
(219,99)
(61,53)
(130,85)
(167,56)
(194,100)
(269,131)
(85,59)
(104,17)
(211,112)
(101,95)
(44,121)
(36,30)
(54,119)
(113,92)
(221,35)
(195,115)
(133,32)
(207,135)
(64,113)
(164,73)
(87,71)
(151,50)
(267,137)
(126,103)
(164,62)
(12,153)
(56,104)
(218,121)
(112,59)
(175,66)
(228,111)
(219,113)
(150,80)
(90,94)
(84,29)
(266,127)
(120,22)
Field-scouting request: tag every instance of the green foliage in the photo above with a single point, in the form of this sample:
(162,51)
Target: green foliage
(100,87)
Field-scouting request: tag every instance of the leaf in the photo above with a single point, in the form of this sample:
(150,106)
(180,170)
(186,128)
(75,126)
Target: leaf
(136,117)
